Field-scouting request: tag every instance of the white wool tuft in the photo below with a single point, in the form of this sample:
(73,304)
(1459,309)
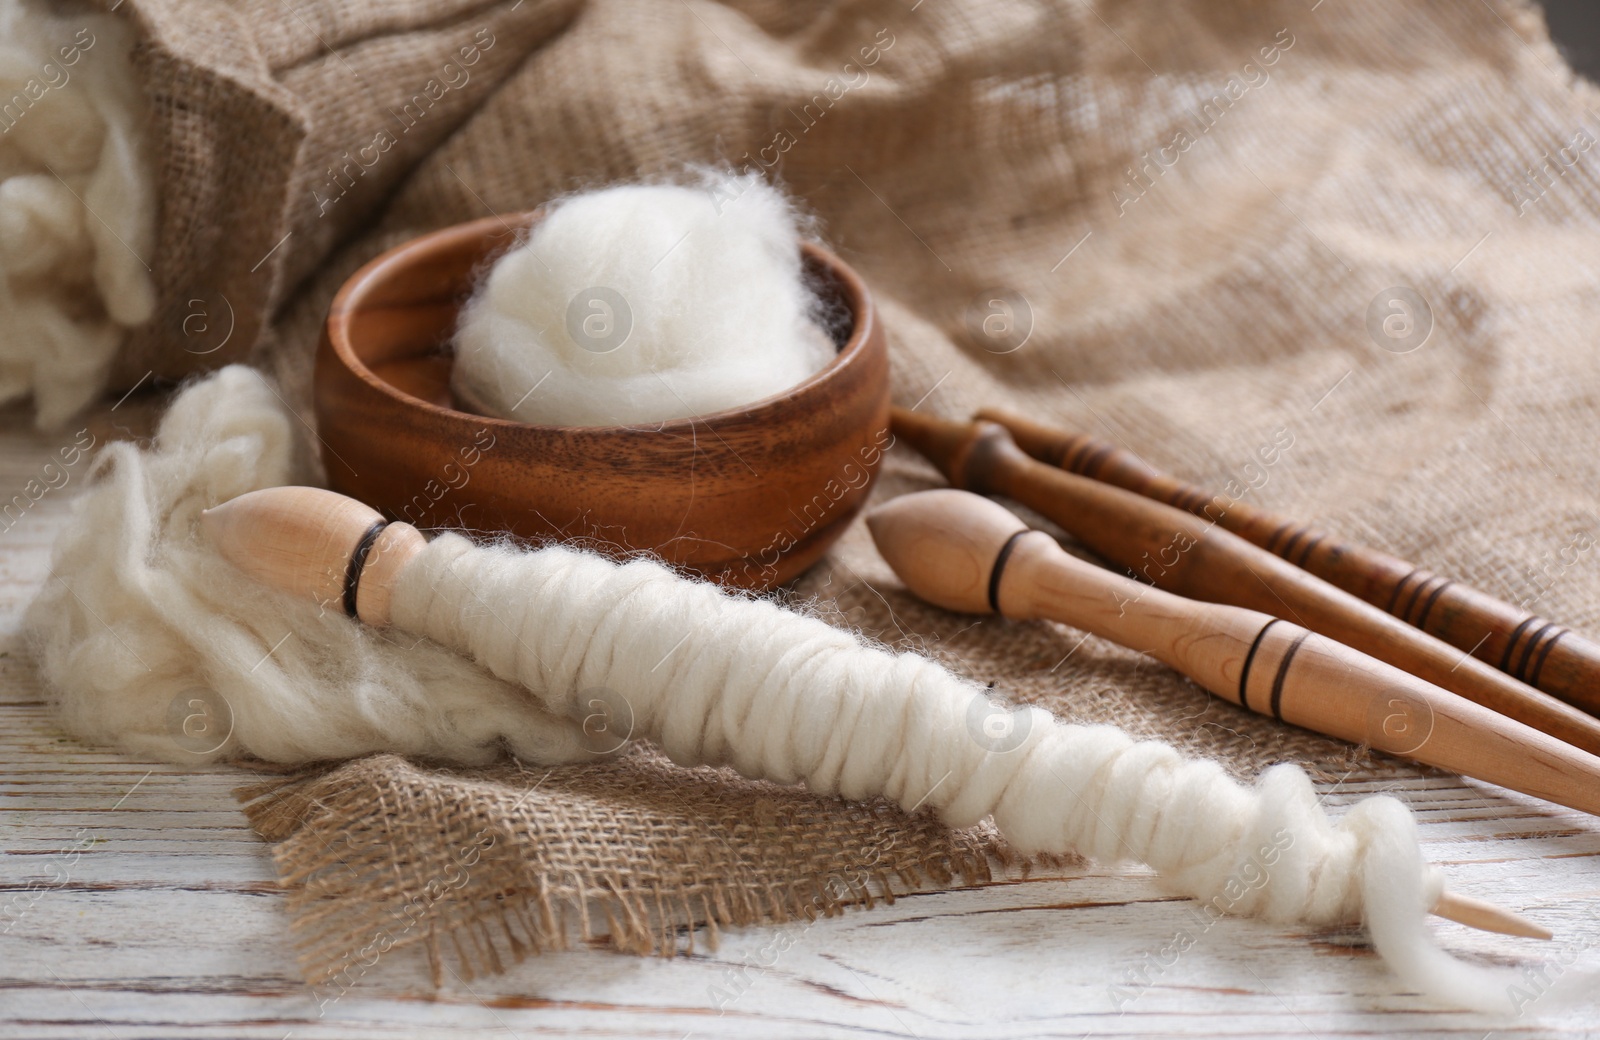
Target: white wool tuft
(77,207)
(643,303)
(150,641)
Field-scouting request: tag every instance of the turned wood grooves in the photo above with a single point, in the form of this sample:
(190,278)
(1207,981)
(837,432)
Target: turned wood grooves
(1174,550)
(358,560)
(1249,659)
(964,552)
(1531,635)
(1275,705)
(1529,648)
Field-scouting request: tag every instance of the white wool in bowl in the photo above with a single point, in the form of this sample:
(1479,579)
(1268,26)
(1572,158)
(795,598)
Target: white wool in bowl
(642,303)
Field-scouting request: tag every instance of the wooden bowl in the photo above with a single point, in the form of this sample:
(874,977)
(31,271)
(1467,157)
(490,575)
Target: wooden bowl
(748,497)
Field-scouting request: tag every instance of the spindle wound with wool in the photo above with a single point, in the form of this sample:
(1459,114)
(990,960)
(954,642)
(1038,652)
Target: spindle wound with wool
(719,679)
(1541,653)
(1178,552)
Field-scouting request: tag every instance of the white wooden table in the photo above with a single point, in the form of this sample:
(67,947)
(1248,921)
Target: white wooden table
(169,923)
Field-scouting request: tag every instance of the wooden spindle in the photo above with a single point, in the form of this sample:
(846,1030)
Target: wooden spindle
(1525,646)
(1175,550)
(963,552)
(317,545)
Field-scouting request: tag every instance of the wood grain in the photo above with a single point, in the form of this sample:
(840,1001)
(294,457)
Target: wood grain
(1539,652)
(748,497)
(170,924)
(1179,552)
(963,552)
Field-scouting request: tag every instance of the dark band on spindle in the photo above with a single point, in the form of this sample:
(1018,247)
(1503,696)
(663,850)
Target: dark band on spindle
(1091,465)
(1305,554)
(999,568)
(1511,641)
(1521,670)
(358,561)
(1287,552)
(1404,613)
(1538,665)
(1189,498)
(1283,673)
(1249,658)
(1394,597)
(1277,532)
(1427,608)
(1056,453)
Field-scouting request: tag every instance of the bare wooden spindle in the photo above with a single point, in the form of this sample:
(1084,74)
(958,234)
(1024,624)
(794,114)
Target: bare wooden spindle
(1175,550)
(1525,646)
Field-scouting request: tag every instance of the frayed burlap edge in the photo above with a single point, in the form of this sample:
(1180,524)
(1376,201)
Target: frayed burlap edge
(483,870)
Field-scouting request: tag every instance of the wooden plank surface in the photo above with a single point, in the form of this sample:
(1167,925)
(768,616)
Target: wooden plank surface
(134,902)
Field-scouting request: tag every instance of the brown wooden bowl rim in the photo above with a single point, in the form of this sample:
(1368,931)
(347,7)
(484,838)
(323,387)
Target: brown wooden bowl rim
(349,298)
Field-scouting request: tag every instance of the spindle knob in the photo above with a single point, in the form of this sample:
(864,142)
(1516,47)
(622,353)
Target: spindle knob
(315,544)
(950,547)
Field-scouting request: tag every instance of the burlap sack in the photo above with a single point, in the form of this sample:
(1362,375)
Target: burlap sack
(1179,227)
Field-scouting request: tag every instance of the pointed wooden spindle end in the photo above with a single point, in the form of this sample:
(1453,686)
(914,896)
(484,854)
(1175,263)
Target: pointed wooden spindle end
(1475,913)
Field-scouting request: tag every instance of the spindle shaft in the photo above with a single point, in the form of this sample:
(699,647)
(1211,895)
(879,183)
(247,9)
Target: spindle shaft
(1174,550)
(1527,647)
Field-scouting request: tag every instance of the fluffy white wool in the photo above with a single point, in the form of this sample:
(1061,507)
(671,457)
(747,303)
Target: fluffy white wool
(642,303)
(77,213)
(150,641)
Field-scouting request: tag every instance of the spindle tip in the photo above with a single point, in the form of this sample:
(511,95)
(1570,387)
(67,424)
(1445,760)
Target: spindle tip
(943,544)
(1475,913)
(946,443)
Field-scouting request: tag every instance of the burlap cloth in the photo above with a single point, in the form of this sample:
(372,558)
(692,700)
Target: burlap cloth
(1188,209)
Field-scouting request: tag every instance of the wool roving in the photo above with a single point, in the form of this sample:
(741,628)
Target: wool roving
(77,210)
(642,303)
(148,641)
